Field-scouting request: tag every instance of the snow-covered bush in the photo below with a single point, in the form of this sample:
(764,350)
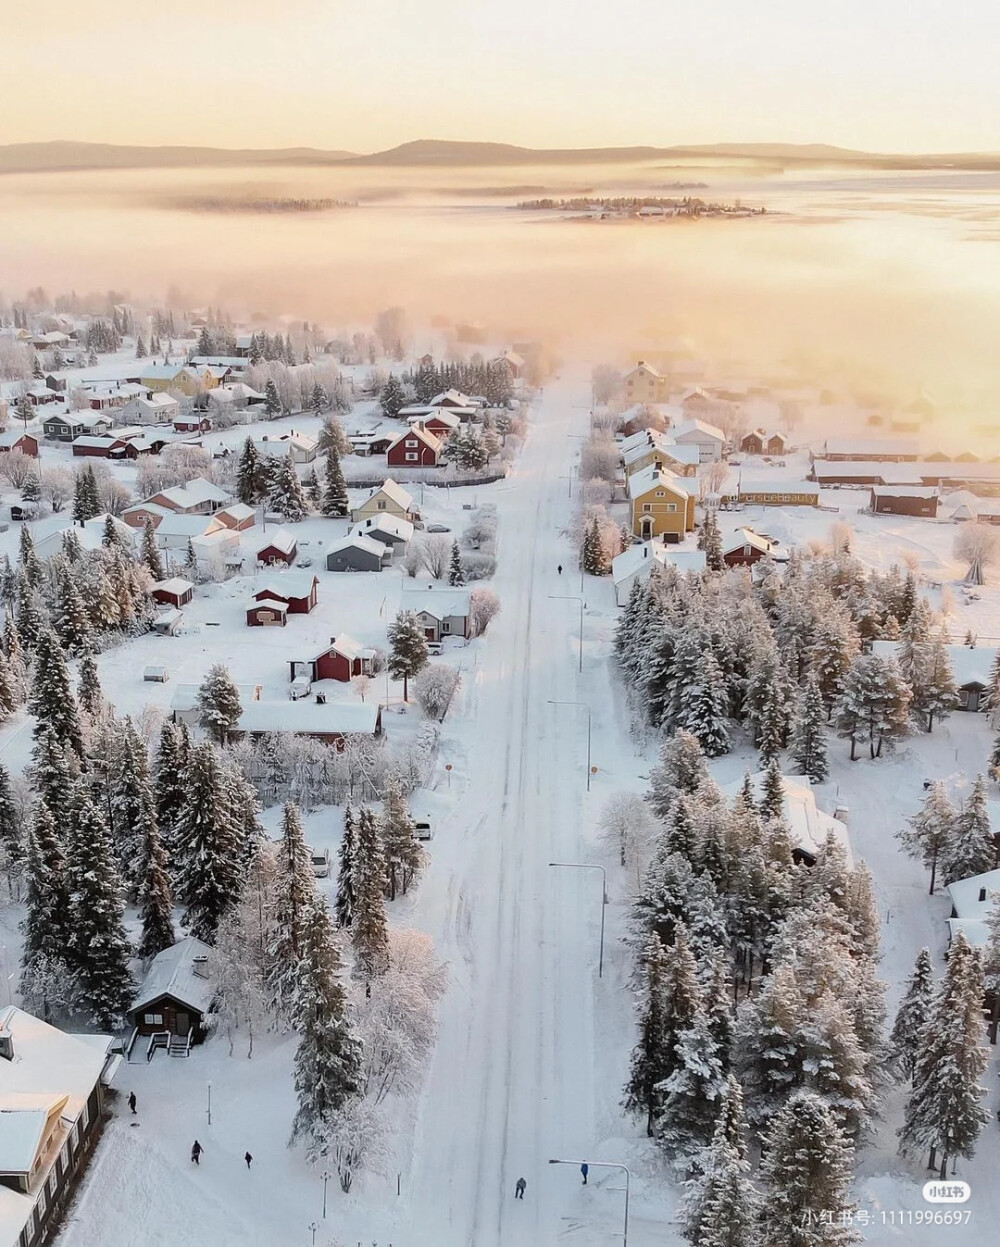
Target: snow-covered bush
(434,688)
(478,565)
(484,605)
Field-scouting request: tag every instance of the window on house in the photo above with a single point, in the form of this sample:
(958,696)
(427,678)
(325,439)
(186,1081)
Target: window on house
(156,1019)
(647,506)
(380,506)
(659,493)
(411,455)
(671,506)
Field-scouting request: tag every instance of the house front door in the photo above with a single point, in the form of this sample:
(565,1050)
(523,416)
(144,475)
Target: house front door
(646,527)
(182,1022)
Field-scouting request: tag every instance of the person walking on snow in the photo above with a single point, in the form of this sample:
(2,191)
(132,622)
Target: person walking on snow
(519,1188)
(559,569)
(585,1169)
(131,1101)
(196,1151)
(248,1158)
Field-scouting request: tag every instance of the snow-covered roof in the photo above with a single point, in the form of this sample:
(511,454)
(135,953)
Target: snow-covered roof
(175,972)
(281,445)
(10,437)
(154,402)
(651,477)
(22,1124)
(393,524)
(971,912)
(905,491)
(649,439)
(195,493)
(280,538)
(237,511)
(288,584)
(778,485)
(174,525)
(175,585)
(699,430)
(306,716)
(642,366)
(746,537)
(808,824)
(99,443)
(347,647)
(52,543)
(185,698)
(422,434)
(454,398)
(394,492)
(969,665)
(444,415)
(271,604)
(438,603)
(357,541)
(859,447)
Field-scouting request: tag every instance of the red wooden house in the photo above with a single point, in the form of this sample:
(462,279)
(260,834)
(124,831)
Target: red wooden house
(296,589)
(343,659)
(279,546)
(745,547)
(174,592)
(416,448)
(15,439)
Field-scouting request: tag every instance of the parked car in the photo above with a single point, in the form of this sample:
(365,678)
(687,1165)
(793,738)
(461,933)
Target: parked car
(300,687)
(438,528)
(423,831)
(305,561)
(434,647)
(320,862)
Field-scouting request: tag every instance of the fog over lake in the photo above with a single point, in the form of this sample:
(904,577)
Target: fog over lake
(889,280)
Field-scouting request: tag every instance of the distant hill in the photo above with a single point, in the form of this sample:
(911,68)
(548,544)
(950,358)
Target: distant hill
(63,156)
(56,156)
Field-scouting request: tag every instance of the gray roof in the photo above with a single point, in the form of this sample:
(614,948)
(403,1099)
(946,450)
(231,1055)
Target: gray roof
(173,973)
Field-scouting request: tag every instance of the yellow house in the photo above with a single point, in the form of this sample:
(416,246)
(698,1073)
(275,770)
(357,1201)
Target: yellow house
(661,506)
(187,378)
(644,384)
(386,499)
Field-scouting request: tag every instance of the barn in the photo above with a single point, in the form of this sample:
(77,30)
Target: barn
(267,613)
(921,500)
(279,546)
(16,439)
(174,592)
(296,589)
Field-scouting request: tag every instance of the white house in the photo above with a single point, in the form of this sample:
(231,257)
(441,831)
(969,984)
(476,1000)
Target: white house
(299,447)
(808,824)
(971,902)
(157,409)
(440,612)
(635,564)
(710,440)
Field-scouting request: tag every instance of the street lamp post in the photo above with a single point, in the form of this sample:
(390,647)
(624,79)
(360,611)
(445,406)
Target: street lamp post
(586,707)
(605,1164)
(326,1179)
(604,901)
(572,597)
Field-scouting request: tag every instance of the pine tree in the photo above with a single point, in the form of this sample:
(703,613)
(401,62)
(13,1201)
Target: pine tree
(335,502)
(403,854)
(150,552)
(392,399)
(930,832)
(772,794)
(456,576)
(70,618)
(681,768)
(809,739)
(46,899)
(369,929)
(97,949)
(710,540)
(86,496)
(332,437)
(272,401)
(294,898)
(652,1057)
(944,1110)
(934,692)
(154,896)
(190,559)
(874,706)
(52,701)
(722,1206)
(971,849)
(29,560)
(170,785)
(311,489)
(51,767)
(140,347)
(327,1065)
(219,707)
(319,401)
(705,708)
(692,1092)
(250,482)
(31,492)
(807,1167)
(285,492)
(208,869)
(767,703)
(344,907)
(592,550)
(132,806)
(913,1014)
(408,655)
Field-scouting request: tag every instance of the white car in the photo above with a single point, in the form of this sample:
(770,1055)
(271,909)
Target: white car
(320,859)
(423,831)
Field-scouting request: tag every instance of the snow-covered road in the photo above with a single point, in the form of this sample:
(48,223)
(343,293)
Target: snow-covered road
(511,1080)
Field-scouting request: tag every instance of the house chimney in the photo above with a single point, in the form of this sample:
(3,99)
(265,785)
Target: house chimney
(841,813)
(982,894)
(199,966)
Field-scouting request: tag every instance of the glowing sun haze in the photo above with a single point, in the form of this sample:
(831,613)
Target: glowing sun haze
(887,75)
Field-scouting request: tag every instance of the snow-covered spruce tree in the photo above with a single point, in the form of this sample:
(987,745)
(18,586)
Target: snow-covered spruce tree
(652,1057)
(944,1111)
(768,1060)
(97,949)
(294,898)
(219,707)
(272,400)
(327,1065)
(991,965)
(710,540)
(767,703)
(332,436)
(150,551)
(11,831)
(88,686)
(249,476)
(369,929)
(46,900)
(807,1169)
(650,676)
(772,793)
(285,493)
(628,632)
(592,551)
(409,648)
(154,896)
(456,576)
(722,1206)
(29,561)
(311,489)
(32,617)
(392,398)
(971,849)
(681,768)
(52,701)
(874,707)
(934,692)
(403,855)
(930,832)
(52,769)
(705,708)
(319,400)
(132,806)
(86,495)
(912,1016)
(335,502)
(344,905)
(207,868)
(170,786)
(692,1091)
(808,738)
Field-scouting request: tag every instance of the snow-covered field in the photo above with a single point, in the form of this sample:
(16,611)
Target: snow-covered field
(533,1045)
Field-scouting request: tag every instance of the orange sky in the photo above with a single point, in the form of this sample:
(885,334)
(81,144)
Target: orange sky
(875,74)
